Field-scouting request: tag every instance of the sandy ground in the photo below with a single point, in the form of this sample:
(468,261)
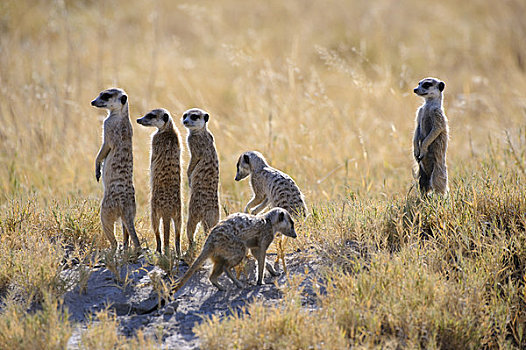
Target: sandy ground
(198,299)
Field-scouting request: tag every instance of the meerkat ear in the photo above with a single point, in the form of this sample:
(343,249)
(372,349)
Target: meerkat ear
(206,116)
(281,216)
(441,86)
(165,117)
(124,98)
(246,158)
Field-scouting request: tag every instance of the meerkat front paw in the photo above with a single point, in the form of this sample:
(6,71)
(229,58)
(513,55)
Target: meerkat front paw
(423,153)
(416,154)
(97,172)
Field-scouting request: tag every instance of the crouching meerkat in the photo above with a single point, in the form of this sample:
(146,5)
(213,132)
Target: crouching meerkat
(116,156)
(431,137)
(165,177)
(229,241)
(270,186)
(203,173)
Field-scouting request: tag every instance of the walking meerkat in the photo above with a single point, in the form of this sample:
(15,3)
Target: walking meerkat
(431,137)
(117,175)
(165,177)
(271,187)
(229,241)
(203,173)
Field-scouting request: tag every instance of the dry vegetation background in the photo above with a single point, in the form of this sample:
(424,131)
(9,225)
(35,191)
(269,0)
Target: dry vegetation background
(324,90)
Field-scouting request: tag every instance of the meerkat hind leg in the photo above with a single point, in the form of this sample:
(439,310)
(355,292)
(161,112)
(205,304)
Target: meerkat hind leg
(190,227)
(125,237)
(438,179)
(280,252)
(217,270)
(166,234)
(130,226)
(229,273)
(177,229)
(155,226)
(210,220)
(108,226)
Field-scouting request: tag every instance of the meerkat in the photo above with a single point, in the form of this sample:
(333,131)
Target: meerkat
(271,187)
(203,173)
(117,174)
(165,177)
(229,241)
(431,137)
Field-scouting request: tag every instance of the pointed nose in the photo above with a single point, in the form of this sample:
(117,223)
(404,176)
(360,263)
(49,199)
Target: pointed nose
(93,102)
(415,90)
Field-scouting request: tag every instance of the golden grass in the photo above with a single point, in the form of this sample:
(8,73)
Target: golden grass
(323,89)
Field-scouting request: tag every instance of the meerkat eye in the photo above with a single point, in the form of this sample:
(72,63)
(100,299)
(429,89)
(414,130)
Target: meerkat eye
(426,85)
(105,96)
(194,117)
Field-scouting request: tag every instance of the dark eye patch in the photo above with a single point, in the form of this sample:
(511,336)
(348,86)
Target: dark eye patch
(194,117)
(426,85)
(105,96)
(149,116)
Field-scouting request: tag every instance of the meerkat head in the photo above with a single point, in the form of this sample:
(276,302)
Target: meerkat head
(430,88)
(247,162)
(195,119)
(157,117)
(282,222)
(111,99)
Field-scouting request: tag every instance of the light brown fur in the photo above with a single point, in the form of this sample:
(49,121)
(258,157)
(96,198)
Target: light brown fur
(229,241)
(116,154)
(270,186)
(203,173)
(165,177)
(431,138)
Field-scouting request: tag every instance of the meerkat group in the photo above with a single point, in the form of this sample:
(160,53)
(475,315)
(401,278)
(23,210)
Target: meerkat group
(229,240)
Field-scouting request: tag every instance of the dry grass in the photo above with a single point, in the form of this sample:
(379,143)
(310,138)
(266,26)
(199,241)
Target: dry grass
(323,89)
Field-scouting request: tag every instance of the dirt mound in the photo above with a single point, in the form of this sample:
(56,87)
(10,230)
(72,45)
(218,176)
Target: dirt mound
(134,300)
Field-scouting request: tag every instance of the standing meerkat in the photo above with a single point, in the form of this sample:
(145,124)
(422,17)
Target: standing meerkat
(203,173)
(431,137)
(229,241)
(165,177)
(270,186)
(117,175)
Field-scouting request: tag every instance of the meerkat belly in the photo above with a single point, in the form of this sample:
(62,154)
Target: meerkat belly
(118,175)
(205,179)
(437,149)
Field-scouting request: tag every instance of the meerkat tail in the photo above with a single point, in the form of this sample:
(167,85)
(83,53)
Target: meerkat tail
(199,261)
